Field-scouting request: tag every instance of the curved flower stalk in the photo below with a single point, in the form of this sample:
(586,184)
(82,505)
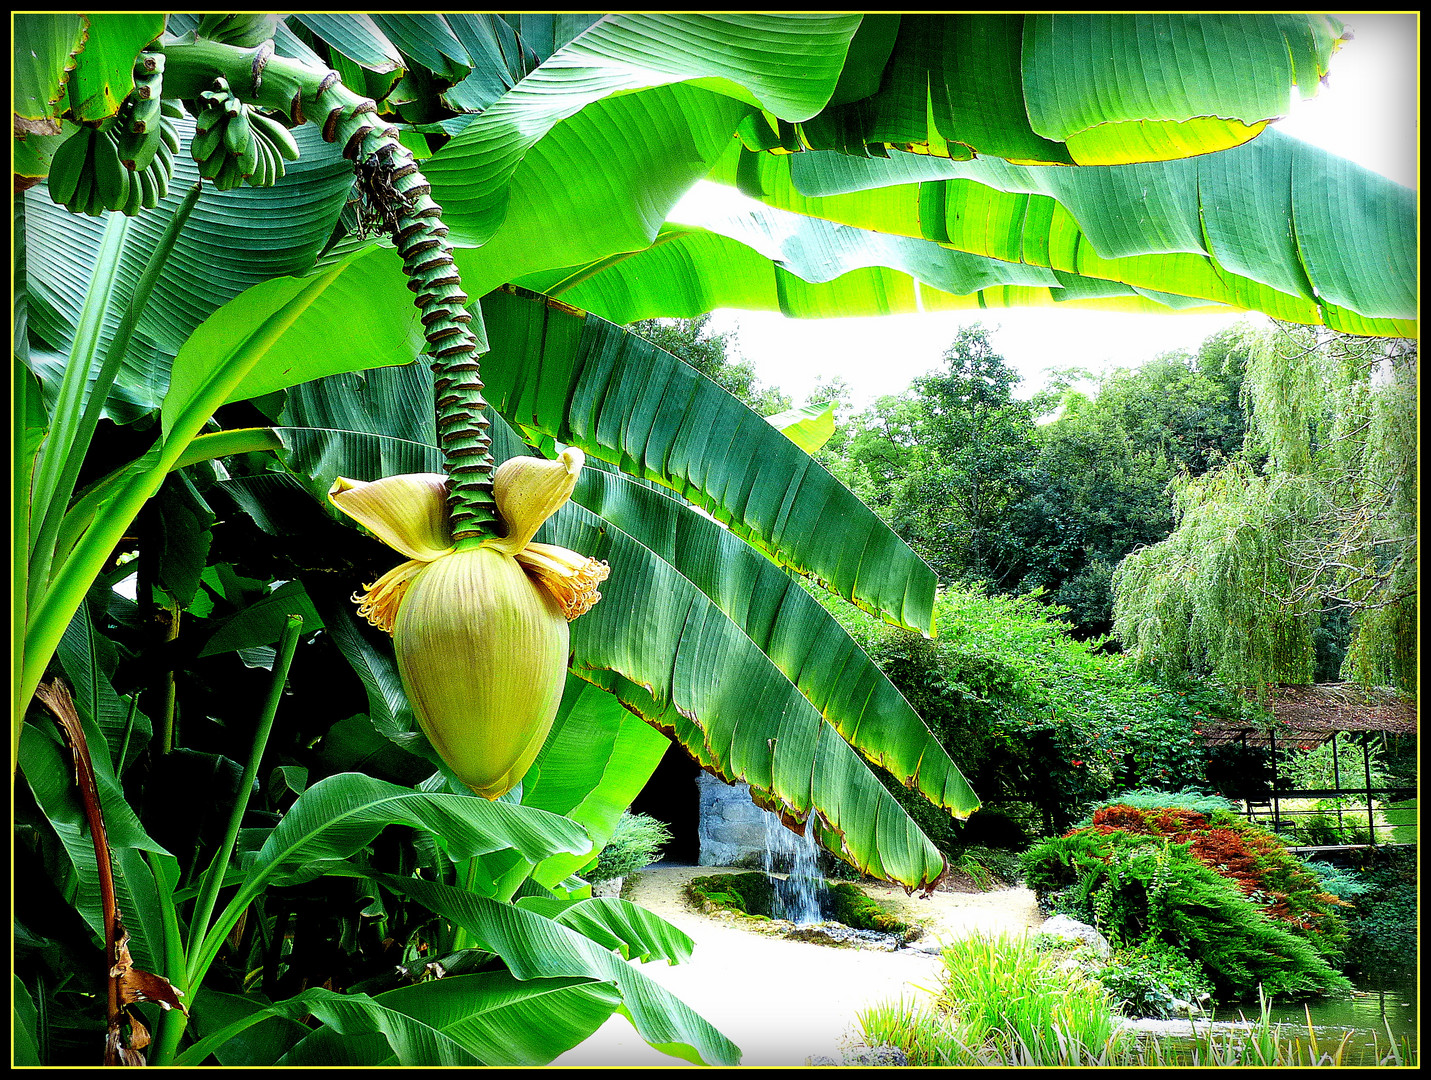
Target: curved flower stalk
(480,630)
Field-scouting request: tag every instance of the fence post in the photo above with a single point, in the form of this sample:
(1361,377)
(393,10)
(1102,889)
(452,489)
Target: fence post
(1276,795)
(1370,806)
(1337,783)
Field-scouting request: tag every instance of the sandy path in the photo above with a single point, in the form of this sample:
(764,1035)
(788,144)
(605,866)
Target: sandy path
(782,1001)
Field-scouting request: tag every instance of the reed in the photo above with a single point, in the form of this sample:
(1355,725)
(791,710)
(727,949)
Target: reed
(1003,1002)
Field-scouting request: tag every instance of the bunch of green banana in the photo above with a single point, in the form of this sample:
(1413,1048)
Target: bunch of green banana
(87,175)
(234,143)
(138,128)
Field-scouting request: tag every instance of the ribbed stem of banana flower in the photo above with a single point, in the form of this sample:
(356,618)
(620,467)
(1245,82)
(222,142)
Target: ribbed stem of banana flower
(262,78)
(421,240)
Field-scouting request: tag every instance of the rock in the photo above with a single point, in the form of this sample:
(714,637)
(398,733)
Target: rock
(876,1055)
(1061,926)
(820,1059)
(609,887)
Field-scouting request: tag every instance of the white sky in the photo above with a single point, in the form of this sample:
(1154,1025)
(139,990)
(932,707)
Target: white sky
(1367,112)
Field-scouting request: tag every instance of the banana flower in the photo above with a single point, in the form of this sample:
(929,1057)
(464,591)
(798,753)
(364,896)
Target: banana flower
(480,632)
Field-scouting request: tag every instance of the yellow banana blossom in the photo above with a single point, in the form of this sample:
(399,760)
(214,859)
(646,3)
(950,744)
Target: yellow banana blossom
(480,633)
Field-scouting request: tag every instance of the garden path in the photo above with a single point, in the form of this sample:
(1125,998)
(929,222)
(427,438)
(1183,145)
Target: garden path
(782,1001)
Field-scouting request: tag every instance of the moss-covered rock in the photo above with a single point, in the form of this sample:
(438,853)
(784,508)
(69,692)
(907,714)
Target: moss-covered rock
(854,908)
(750,894)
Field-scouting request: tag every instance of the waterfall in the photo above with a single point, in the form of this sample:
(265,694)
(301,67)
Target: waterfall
(802,896)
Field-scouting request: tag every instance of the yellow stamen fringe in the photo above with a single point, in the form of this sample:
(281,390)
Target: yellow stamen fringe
(569,576)
(380,602)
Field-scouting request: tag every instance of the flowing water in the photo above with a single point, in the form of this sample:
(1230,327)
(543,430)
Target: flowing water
(802,896)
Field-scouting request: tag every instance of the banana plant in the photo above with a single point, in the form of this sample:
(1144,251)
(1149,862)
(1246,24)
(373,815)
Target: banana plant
(470,140)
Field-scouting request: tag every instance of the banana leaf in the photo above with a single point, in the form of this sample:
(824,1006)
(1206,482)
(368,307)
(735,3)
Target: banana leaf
(487,1018)
(579,379)
(536,947)
(1277,225)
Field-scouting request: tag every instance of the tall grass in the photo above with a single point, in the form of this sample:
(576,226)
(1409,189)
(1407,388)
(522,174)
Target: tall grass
(1003,1002)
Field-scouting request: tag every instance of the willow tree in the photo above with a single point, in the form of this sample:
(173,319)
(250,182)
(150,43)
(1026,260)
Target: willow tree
(515,175)
(1327,524)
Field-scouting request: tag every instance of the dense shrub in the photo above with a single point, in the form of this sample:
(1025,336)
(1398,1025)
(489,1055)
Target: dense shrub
(1156,799)
(1382,926)
(1146,979)
(1029,713)
(1219,890)
(636,843)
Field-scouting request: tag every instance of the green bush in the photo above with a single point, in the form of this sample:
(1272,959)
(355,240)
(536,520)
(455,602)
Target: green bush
(1145,979)
(1139,888)
(1030,713)
(1339,882)
(1155,799)
(636,843)
(1382,927)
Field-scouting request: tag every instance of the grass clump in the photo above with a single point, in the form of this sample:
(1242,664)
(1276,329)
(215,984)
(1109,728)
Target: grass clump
(1006,1001)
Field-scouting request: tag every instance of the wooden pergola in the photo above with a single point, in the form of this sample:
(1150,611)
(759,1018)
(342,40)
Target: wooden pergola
(1309,716)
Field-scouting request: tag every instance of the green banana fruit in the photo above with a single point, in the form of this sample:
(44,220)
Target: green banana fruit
(248,158)
(148,188)
(110,176)
(281,137)
(165,158)
(145,115)
(169,134)
(67,166)
(230,176)
(206,143)
(134,201)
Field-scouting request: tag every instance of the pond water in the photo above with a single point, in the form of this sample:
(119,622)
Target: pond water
(1387,1001)
(1375,1005)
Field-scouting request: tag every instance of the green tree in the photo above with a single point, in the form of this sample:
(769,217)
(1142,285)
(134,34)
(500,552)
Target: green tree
(1097,487)
(1242,585)
(942,462)
(692,341)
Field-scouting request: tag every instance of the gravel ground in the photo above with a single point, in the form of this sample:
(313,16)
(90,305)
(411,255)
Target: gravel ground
(783,1002)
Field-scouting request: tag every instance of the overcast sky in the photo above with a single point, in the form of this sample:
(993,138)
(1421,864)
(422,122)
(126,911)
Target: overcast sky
(1366,112)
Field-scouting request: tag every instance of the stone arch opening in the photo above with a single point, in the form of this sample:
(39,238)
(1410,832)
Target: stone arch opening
(671,796)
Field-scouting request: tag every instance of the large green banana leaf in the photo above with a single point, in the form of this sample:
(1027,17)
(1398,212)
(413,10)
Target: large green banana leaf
(762,265)
(1039,88)
(1067,88)
(537,947)
(1277,225)
(577,378)
(687,592)
(747,54)
(488,1018)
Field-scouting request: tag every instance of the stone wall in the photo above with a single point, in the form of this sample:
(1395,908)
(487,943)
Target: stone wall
(732,827)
